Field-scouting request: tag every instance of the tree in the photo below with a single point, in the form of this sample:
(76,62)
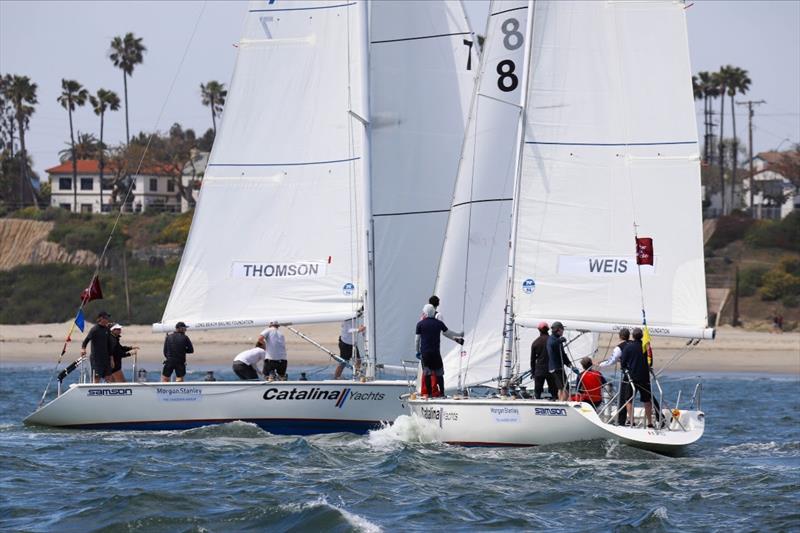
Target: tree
(101,102)
(705,88)
(127,52)
(86,147)
(738,83)
(72,95)
(214,94)
(21,93)
(721,80)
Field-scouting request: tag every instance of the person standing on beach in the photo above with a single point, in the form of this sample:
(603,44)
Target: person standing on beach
(176,345)
(246,364)
(275,343)
(540,364)
(100,357)
(118,351)
(347,342)
(428,351)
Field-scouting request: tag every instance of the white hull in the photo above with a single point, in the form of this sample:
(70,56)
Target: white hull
(515,422)
(313,407)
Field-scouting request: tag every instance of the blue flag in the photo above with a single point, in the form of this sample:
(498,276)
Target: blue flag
(79,321)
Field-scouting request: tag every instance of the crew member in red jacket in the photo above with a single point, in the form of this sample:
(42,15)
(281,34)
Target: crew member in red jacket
(590,384)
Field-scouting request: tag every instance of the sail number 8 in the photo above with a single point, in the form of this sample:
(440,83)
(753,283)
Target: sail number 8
(512,39)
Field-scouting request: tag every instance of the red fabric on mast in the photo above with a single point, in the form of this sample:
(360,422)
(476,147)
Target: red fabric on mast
(644,251)
(92,292)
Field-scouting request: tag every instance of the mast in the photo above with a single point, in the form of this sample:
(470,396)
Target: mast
(368,291)
(508,327)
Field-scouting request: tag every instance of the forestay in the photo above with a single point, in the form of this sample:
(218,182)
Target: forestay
(610,141)
(423,64)
(275,233)
(472,276)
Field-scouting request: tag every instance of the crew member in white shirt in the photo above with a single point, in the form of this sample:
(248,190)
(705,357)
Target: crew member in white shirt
(616,354)
(275,344)
(247,363)
(347,342)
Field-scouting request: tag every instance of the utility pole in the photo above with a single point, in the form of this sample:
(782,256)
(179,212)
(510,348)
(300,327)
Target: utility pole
(750,104)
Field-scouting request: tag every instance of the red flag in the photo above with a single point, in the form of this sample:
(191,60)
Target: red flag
(92,292)
(644,251)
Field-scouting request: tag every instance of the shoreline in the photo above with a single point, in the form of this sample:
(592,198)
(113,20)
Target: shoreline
(734,350)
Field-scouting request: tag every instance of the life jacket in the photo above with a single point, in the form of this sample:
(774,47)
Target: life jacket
(592,386)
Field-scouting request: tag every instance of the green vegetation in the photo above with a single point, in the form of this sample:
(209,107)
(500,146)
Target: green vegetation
(177,231)
(750,279)
(784,234)
(729,228)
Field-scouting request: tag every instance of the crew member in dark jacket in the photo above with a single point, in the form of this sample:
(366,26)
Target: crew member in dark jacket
(176,346)
(428,336)
(118,351)
(540,367)
(634,363)
(100,337)
(557,360)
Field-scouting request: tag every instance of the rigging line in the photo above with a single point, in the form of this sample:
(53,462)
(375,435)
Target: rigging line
(130,188)
(470,202)
(402,39)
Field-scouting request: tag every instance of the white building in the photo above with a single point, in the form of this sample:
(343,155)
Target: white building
(770,187)
(154,189)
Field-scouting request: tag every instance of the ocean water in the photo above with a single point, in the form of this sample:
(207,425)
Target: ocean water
(744,475)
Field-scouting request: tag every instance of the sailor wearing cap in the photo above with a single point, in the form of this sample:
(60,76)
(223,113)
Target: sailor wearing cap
(540,364)
(118,351)
(100,338)
(176,346)
(558,360)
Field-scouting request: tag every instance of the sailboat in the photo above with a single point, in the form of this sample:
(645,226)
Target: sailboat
(582,137)
(328,189)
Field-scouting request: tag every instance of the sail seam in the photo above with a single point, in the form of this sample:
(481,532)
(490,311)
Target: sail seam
(411,213)
(422,37)
(300,8)
(508,11)
(610,144)
(283,164)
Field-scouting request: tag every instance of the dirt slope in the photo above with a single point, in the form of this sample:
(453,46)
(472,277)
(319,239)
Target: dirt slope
(24,242)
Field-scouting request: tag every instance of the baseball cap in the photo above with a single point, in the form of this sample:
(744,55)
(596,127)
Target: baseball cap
(116,326)
(180,325)
(103,314)
(557,325)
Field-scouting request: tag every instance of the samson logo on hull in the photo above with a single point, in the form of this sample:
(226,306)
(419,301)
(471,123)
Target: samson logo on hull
(339,396)
(304,269)
(550,411)
(110,392)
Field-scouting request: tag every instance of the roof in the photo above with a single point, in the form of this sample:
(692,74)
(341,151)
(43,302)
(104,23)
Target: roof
(92,166)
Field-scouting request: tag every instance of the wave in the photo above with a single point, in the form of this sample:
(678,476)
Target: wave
(759,448)
(357,522)
(406,429)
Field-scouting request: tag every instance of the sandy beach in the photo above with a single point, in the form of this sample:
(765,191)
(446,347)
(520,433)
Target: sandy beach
(734,350)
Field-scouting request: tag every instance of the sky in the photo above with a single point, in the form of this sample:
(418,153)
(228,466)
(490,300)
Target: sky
(191,42)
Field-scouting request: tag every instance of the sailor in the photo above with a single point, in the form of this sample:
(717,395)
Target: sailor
(625,390)
(118,351)
(427,343)
(275,344)
(347,342)
(557,360)
(246,364)
(434,301)
(176,346)
(634,363)
(100,358)
(590,384)
(540,364)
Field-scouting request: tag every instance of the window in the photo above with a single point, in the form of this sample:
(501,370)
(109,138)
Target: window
(87,184)
(170,186)
(153,184)
(68,207)
(105,208)
(65,184)
(86,208)
(108,184)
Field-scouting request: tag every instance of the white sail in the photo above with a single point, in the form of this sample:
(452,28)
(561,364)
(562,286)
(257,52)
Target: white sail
(422,77)
(610,141)
(472,277)
(275,235)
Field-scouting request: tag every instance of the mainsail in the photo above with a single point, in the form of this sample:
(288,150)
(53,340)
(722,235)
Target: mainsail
(610,142)
(279,232)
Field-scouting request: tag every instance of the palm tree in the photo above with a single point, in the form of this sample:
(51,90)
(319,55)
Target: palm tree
(214,94)
(722,79)
(738,83)
(22,94)
(126,52)
(86,147)
(102,102)
(707,86)
(72,95)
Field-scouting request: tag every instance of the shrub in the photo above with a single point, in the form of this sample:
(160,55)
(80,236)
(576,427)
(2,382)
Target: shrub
(729,228)
(790,265)
(177,231)
(776,234)
(777,284)
(750,279)
(790,300)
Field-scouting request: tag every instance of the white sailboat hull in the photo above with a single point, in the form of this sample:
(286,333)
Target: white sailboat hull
(515,422)
(285,407)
